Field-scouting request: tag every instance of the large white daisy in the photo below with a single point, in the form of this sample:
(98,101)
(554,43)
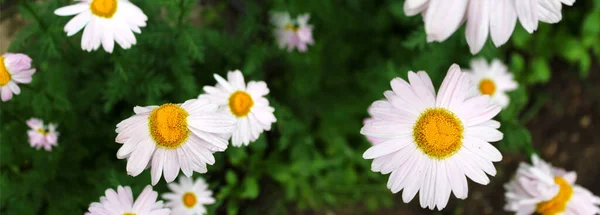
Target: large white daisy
(121,203)
(494,80)
(105,22)
(173,136)
(188,197)
(495,17)
(430,143)
(245,102)
(543,189)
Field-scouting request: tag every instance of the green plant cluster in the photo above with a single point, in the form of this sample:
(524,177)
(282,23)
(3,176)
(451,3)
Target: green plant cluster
(312,158)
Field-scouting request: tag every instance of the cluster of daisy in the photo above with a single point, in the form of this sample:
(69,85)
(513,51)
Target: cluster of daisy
(187,197)
(173,137)
(429,142)
(483,17)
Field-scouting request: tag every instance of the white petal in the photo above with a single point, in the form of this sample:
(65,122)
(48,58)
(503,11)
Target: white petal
(478,18)
(385,147)
(108,41)
(171,167)
(77,23)
(158,161)
(443,18)
(414,7)
(453,89)
(387,129)
(184,162)
(223,83)
(457,179)
(527,12)
(139,158)
(471,171)
(485,133)
(72,9)
(503,19)
(421,89)
(213,123)
(236,79)
(482,148)
(442,186)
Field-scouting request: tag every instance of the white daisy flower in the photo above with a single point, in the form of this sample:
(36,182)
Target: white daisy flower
(42,136)
(105,22)
(14,69)
(292,34)
(494,80)
(430,143)
(494,17)
(175,136)
(543,189)
(121,203)
(245,102)
(188,197)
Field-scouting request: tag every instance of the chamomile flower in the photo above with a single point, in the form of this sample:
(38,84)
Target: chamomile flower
(121,203)
(483,17)
(292,33)
(14,69)
(172,137)
(247,103)
(543,189)
(105,22)
(492,79)
(42,136)
(431,143)
(188,197)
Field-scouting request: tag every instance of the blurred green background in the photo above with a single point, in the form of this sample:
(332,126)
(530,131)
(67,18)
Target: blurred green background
(311,161)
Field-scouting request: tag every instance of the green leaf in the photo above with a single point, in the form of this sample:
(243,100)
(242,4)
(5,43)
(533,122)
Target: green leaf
(250,188)
(540,71)
(231,178)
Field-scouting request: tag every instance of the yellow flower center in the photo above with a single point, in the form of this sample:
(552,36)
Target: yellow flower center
(104,8)
(291,27)
(42,131)
(240,103)
(438,133)
(189,199)
(168,126)
(557,204)
(4,75)
(487,87)
(129,214)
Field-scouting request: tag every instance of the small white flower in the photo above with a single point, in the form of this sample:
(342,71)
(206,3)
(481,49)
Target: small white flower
(292,34)
(173,136)
(494,17)
(105,22)
(494,80)
(121,203)
(42,136)
(431,143)
(188,197)
(543,189)
(245,102)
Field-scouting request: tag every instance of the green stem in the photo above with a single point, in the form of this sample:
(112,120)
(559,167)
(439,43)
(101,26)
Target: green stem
(181,13)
